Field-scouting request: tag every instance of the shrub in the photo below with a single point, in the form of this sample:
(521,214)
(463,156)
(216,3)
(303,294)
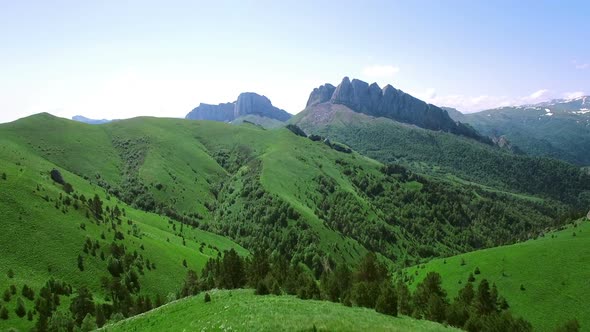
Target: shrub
(207,297)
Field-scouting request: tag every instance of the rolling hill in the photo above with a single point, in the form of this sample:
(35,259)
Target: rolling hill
(545,280)
(155,197)
(241,310)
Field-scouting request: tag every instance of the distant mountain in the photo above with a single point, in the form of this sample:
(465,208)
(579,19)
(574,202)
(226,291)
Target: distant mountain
(559,128)
(495,163)
(84,119)
(391,103)
(254,106)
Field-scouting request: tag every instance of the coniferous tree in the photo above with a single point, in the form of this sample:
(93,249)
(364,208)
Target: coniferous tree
(80,262)
(191,284)
(88,323)
(387,300)
(3,313)
(20,310)
(82,304)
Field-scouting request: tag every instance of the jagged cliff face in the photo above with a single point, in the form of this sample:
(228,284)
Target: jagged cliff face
(252,103)
(248,103)
(390,103)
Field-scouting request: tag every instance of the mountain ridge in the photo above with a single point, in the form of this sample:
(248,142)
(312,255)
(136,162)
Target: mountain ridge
(391,103)
(247,103)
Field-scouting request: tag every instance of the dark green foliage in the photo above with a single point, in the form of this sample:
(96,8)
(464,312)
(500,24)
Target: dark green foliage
(261,288)
(471,278)
(7,295)
(10,273)
(232,271)
(477,271)
(4,177)
(387,300)
(207,297)
(569,326)
(56,176)
(100,315)
(191,284)
(3,313)
(88,324)
(82,304)
(80,262)
(296,130)
(30,315)
(20,310)
(404,299)
(68,188)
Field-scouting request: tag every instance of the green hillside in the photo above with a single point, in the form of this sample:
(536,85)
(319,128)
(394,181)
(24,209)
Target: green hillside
(443,154)
(241,310)
(44,230)
(544,280)
(146,196)
(273,189)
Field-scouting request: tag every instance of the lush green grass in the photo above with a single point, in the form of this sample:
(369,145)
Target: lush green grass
(240,310)
(552,269)
(40,241)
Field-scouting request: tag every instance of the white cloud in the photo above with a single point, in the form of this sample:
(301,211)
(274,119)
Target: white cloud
(573,95)
(538,94)
(383,71)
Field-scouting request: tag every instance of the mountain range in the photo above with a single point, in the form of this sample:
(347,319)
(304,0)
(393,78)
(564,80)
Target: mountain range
(159,208)
(558,128)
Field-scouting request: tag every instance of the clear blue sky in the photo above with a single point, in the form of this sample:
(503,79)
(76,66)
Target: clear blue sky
(117,59)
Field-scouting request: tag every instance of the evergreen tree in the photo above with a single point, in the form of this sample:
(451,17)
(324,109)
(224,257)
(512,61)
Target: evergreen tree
(207,297)
(261,288)
(80,262)
(484,301)
(20,310)
(88,323)
(429,297)
(82,304)
(232,271)
(100,316)
(569,326)
(7,296)
(387,300)
(3,313)
(60,321)
(191,284)
(404,299)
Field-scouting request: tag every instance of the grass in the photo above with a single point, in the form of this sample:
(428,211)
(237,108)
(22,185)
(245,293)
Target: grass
(40,241)
(240,310)
(553,271)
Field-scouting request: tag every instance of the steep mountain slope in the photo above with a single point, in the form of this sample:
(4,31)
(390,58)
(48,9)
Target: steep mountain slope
(249,106)
(241,310)
(446,155)
(390,103)
(544,280)
(558,129)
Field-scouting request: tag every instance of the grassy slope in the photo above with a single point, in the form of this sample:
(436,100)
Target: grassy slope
(553,269)
(240,310)
(39,241)
(441,154)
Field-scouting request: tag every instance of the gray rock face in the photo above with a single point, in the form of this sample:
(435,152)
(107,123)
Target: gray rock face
(247,103)
(390,103)
(252,103)
(321,95)
(221,112)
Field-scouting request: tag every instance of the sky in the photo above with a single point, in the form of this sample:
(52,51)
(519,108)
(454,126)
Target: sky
(121,59)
